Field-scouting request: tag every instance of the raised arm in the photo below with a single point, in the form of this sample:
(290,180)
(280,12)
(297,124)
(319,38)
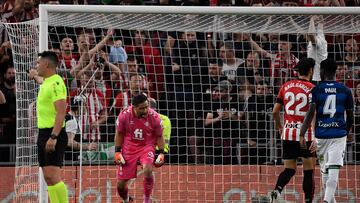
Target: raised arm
(256,47)
(169,45)
(102,43)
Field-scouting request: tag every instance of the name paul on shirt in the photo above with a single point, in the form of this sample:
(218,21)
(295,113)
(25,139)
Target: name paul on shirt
(330,90)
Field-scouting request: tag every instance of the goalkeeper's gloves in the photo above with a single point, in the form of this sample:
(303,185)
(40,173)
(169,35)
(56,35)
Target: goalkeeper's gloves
(160,159)
(118,157)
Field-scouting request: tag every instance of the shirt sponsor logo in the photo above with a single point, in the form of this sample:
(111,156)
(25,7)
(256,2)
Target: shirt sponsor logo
(328,125)
(293,125)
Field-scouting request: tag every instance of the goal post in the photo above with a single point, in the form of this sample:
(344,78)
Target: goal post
(200,166)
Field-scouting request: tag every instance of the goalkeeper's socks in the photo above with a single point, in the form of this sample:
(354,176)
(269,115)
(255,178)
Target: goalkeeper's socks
(124,193)
(58,193)
(148,186)
(284,179)
(308,185)
(147,199)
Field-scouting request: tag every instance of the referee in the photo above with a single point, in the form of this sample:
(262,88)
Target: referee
(52,139)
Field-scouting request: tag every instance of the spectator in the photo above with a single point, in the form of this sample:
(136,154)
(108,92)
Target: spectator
(351,57)
(317,46)
(328,3)
(231,63)
(8,111)
(151,59)
(123,98)
(72,130)
(283,62)
(251,72)
(259,117)
(94,112)
(222,126)
(68,60)
(68,57)
(343,75)
(86,52)
(18,11)
(5,53)
(210,81)
(134,69)
(118,55)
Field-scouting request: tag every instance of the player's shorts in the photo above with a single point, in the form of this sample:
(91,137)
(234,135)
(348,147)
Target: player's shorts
(129,169)
(292,150)
(55,158)
(331,152)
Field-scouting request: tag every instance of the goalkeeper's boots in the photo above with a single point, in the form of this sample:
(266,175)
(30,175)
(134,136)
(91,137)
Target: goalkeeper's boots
(129,200)
(274,196)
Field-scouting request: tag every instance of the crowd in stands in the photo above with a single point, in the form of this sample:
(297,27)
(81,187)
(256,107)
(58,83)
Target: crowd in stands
(218,89)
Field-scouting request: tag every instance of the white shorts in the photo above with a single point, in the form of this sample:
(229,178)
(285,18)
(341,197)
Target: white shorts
(331,152)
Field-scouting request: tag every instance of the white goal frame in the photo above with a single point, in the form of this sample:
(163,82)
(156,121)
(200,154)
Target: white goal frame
(45,9)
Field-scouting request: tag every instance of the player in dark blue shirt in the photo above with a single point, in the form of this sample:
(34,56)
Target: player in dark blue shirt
(330,100)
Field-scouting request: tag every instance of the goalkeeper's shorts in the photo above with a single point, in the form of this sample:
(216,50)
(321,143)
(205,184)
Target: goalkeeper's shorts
(55,158)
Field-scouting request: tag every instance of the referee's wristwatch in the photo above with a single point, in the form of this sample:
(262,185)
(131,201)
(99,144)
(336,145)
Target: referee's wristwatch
(53,136)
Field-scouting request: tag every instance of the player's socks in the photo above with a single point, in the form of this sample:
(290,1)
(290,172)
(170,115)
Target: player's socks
(148,186)
(124,193)
(324,177)
(331,184)
(308,185)
(60,190)
(284,178)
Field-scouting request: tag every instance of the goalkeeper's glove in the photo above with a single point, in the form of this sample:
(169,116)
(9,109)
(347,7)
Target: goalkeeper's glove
(160,160)
(118,157)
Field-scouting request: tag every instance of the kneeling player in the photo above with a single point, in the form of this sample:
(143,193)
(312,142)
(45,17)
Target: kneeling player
(138,131)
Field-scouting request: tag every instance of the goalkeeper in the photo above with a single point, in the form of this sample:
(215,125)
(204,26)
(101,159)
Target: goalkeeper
(166,125)
(138,131)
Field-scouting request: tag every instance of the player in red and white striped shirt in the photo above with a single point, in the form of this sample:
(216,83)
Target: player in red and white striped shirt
(294,95)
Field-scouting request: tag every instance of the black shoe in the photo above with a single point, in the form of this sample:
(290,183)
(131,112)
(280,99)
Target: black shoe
(130,200)
(274,196)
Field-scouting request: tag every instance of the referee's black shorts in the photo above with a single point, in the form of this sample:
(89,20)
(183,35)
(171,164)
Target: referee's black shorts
(292,150)
(53,158)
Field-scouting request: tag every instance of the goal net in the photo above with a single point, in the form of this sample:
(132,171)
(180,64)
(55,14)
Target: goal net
(198,64)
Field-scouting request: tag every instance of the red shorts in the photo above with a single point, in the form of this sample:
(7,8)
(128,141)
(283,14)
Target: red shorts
(129,169)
